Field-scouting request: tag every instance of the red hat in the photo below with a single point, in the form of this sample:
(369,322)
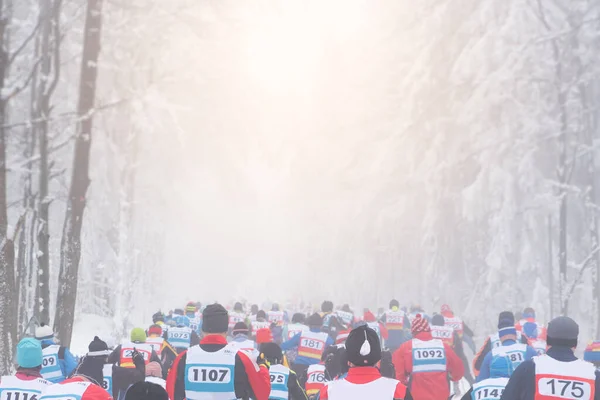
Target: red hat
(446,308)
(419,324)
(155,330)
(263,336)
(369,316)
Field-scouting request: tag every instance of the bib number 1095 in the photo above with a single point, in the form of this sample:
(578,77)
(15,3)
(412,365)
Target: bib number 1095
(212,375)
(564,388)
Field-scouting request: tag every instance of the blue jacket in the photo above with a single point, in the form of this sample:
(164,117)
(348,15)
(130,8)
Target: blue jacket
(66,360)
(521,385)
(294,342)
(484,372)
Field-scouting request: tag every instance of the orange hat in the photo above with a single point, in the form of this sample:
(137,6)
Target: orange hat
(263,336)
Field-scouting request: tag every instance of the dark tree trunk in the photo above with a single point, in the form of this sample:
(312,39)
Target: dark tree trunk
(71,239)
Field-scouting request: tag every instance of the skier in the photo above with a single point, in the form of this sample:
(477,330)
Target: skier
(330,320)
(242,342)
(464,332)
(237,315)
(427,363)
(558,374)
(155,340)
(492,388)
(592,353)
(298,325)
(371,321)
(260,322)
(284,382)
(310,345)
(505,318)
(27,381)
(58,360)
(516,352)
(253,311)
(345,315)
(122,354)
(158,318)
(534,338)
(333,364)
(528,316)
(276,316)
(195,322)
(364,381)
(87,380)
(447,334)
(181,336)
(396,323)
(214,369)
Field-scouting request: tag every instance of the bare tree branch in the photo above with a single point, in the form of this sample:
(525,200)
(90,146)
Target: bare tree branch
(28,39)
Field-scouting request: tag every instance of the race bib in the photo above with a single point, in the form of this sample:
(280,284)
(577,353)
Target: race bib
(564,388)
(488,393)
(433,354)
(312,344)
(49,361)
(209,375)
(316,377)
(19,395)
(277,377)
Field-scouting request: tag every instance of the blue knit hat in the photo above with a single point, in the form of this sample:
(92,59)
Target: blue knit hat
(501,367)
(29,353)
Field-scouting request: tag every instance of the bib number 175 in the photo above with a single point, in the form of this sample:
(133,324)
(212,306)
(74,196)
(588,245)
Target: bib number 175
(564,388)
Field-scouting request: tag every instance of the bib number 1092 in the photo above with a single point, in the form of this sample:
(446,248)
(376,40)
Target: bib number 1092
(564,388)
(212,375)
(428,354)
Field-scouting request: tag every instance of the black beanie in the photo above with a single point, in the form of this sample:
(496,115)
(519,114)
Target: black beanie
(215,319)
(362,347)
(394,303)
(98,348)
(271,351)
(506,319)
(240,327)
(314,320)
(146,391)
(438,320)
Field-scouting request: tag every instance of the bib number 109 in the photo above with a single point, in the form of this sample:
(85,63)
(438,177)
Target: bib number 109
(564,388)
(211,375)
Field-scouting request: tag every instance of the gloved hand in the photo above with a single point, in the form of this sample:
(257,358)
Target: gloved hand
(261,360)
(138,359)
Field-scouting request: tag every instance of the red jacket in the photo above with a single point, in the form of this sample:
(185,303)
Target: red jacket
(361,375)
(251,380)
(427,385)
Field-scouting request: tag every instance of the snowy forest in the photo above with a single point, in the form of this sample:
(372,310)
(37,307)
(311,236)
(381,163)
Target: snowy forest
(154,152)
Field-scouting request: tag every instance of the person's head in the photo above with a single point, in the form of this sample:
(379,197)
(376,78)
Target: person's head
(29,353)
(501,367)
(92,364)
(190,308)
(528,312)
(272,352)
(368,316)
(314,321)
(154,369)
(275,307)
(44,332)
(438,320)
(415,308)
(327,307)
(158,316)
(240,329)
(363,348)
(98,349)
(346,308)
(298,318)
(592,353)
(335,360)
(419,325)
(215,320)
(178,311)
(261,314)
(254,309)
(155,330)
(394,303)
(264,335)
(138,335)
(238,307)
(445,309)
(506,326)
(530,330)
(562,332)
(146,391)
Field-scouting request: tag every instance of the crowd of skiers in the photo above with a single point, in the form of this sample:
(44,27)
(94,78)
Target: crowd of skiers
(210,352)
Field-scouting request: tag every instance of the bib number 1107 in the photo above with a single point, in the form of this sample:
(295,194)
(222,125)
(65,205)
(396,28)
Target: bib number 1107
(212,375)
